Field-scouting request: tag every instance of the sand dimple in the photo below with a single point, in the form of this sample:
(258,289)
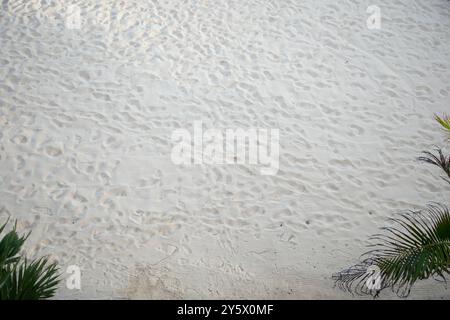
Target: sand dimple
(86,118)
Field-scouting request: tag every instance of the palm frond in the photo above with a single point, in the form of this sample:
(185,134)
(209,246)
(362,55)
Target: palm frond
(10,246)
(31,281)
(415,247)
(439,160)
(444,121)
(21,279)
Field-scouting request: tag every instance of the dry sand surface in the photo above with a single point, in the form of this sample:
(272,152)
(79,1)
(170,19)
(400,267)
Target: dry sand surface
(86,117)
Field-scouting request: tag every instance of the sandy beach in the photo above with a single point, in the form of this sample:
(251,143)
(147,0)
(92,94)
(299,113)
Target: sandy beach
(91,93)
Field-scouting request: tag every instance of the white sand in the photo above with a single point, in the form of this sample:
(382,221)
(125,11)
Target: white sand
(86,118)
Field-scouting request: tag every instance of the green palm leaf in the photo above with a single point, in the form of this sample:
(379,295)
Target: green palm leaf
(415,247)
(21,279)
(439,160)
(10,246)
(31,281)
(444,121)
